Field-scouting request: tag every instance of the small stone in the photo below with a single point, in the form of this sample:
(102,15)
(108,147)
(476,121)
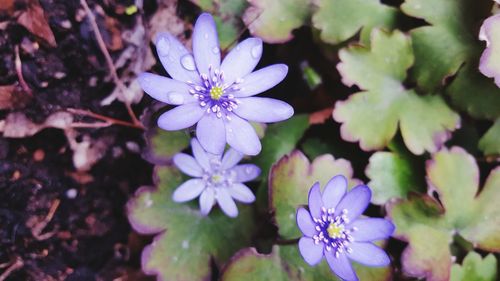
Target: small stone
(71,193)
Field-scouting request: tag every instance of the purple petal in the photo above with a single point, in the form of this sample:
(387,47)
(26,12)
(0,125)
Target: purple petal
(200,154)
(355,202)
(165,89)
(264,110)
(231,158)
(180,117)
(368,254)
(315,202)
(206,44)
(188,165)
(211,133)
(246,172)
(226,203)
(241,60)
(305,222)
(188,190)
(371,229)
(341,266)
(335,189)
(207,200)
(488,65)
(170,51)
(311,252)
(241,193)
(241,136)
(261,80)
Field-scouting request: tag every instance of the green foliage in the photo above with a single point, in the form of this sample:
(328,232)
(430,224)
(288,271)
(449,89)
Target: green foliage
(285,263)
(186,241)
(490,142)
(475,268)
(289,183)
(165,144)
(429,225)
(372,117)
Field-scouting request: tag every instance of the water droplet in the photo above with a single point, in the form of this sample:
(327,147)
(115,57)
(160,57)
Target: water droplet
(163,46)
(206,35)
(216,50)
(187,61)
(175,98)
(238,48)
(256,51)
(248,170)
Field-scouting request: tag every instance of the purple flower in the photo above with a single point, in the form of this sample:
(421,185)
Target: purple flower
(489,64)
(216,179)
(332,228)
(217,96)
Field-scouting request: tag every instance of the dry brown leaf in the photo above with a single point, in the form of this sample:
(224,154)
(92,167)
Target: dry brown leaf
(17,125)
(13,97)
(33,19)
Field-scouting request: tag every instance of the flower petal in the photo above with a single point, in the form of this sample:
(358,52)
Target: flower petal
(226,203)
(211,133)
(264,110)
(170,52)
(246,172)
(305,222)
(341,266)
(188,190)
(489,59)
(335,189)
(315,202)
(241,193)
(188,165)
(231,158)
(311,252)
(241,60)
(207,200)
(206,44)
(371,229)
(180,117)
(261,80)
(368,254)
(165,89)
(241,136)
(200,154)
(355,202)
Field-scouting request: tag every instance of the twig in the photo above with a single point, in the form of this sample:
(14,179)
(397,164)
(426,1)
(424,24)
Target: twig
(109,61)
(40,226)
(107,120)
(17,264)
(19,71)
(241,33)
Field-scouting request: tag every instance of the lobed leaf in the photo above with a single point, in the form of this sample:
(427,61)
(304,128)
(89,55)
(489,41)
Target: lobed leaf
(489,143)
(475,268)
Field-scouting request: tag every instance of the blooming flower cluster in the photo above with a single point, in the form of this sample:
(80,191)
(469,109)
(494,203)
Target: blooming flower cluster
(333,228)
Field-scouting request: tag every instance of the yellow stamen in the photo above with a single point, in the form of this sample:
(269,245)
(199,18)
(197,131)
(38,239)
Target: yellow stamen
(335,231)
(216,93)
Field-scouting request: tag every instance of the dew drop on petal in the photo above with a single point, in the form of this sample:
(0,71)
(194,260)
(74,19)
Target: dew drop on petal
(206,35)
(256,51)
(163,47)
(215,50)
(175,98)
(248,170)
(187,61)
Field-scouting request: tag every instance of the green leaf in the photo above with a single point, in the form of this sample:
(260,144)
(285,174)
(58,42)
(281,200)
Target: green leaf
(285,263)
(490,142)
(442,47)
(339,20)
(274,21)
(290,180)
(429,225)
(472,92)
(163,145)
(475,268)
(372,117)
(186,241)
(392,175)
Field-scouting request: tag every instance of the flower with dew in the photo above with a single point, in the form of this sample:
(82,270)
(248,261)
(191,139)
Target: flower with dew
(333,228)
(216,96)
(489,64)
(216,179)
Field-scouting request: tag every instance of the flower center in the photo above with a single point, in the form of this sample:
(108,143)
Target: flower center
(216,179)
(332,231)
(216,93)
(335,231)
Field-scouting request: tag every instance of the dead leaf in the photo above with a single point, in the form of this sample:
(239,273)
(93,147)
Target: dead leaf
(13,97)
(6,5)
(17,125)
(33,19)
(87,151)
